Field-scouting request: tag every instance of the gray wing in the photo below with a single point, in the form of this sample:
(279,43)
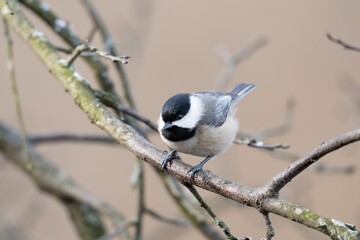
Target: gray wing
(216,107)
(241,90)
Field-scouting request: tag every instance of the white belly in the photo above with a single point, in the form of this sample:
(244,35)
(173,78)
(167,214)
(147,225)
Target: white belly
(208,140)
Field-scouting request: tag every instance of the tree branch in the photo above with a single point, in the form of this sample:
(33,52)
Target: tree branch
(342,43)
(98,113)
(85,47)
(281,179)
(232,60)
(49,178)
(110,47)
(59,137)
(216,219)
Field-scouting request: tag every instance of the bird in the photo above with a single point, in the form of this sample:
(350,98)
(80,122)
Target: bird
(202,124)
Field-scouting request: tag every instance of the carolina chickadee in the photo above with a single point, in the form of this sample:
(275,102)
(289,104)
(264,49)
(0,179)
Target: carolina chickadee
(201,123)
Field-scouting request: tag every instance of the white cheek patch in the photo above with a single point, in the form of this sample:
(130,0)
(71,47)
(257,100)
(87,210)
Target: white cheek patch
(160,123)
(193,116)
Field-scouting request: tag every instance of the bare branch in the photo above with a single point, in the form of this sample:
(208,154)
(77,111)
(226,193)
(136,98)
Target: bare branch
(255,139)
(66,32)
(284,127)
(231,61)
(342,43)
(260,144)
(60,137)
(173,221)
(12,78)
(207,208)
(117,231)
(110,47)
(86,47)
(110,101)
(188,209)
(281,179)
(51,179)
(270,233)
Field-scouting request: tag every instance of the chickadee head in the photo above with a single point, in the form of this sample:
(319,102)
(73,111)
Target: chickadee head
(179,116)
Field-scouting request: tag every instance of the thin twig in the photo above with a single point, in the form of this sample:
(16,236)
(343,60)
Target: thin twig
(232,60)
(270,233)
(67,33)
(207,208)
(117,231)
(342,43)
(91,34)
(110,101)
(319,167)
(86,47)
(255,139)
(281,179)
(12,79)
(141,209)
(351,88)
(173,221)
(110,47)
(61,137)
(188,209)
(284,127)
(260,144)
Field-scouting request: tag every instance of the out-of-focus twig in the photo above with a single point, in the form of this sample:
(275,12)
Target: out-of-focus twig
(284,127)
(351,89)
(232,60)
(342,43)
(67,33)
(256,140)
(173,221)
(61,137)
(116,231)
(56,182)
(12,78)
(110,47)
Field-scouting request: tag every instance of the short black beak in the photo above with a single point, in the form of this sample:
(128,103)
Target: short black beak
(167,125)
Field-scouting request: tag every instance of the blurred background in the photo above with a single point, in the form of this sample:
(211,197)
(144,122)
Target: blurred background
(177,46)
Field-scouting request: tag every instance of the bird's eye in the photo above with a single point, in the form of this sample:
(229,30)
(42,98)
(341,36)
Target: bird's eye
(179,116)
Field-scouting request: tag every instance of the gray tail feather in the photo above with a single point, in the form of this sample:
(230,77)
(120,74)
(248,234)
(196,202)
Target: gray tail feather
(241,89)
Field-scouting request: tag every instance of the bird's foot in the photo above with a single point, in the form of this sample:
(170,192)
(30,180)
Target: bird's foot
(194,170)
(169,157)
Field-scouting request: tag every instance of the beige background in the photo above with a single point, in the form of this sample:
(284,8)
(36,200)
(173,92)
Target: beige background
(174,45)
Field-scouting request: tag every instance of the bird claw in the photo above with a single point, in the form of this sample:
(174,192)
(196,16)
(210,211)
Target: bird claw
(169,157)
(194,170)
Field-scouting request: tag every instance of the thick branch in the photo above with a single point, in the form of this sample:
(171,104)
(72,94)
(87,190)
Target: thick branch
(66,32)
(54,181)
